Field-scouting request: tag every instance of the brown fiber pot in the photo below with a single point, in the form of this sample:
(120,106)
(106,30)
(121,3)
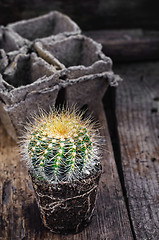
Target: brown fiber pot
(67,207)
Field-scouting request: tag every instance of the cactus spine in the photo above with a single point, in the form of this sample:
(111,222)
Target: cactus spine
(61,146)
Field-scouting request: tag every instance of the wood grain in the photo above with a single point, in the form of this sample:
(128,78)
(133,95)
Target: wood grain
(128,45)
(19,214)
(138,125)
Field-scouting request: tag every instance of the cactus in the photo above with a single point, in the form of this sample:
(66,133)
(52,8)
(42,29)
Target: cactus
(61,146)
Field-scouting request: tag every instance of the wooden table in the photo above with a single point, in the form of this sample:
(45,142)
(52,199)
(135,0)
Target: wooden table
(20,217)
(127,206)
(137,111)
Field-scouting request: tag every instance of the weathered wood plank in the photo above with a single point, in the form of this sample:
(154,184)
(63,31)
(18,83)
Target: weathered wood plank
(128,45)
(138,124)
(19,213)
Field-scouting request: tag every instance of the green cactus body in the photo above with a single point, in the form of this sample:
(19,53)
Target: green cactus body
(62,147)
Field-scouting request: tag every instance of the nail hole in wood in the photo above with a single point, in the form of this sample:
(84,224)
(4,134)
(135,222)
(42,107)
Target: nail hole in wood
(156,99)
(153,110)
(153,159)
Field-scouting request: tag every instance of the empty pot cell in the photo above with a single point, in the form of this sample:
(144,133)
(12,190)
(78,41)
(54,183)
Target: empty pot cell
(26,69)
(44,26)
(72,51)
(10,40)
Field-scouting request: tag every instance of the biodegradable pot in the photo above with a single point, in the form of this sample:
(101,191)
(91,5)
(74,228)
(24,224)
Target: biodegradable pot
(67,207)
(72,67)
(53,23)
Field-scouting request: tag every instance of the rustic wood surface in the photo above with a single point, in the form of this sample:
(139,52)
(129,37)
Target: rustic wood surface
(19,215)
(128,45)
(138,125)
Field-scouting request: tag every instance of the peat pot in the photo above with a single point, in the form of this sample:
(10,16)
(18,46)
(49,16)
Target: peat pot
(72,68)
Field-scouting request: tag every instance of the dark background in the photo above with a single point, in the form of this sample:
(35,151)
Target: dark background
(89,14)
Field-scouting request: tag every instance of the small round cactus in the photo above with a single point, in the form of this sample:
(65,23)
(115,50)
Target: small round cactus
(61,146)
